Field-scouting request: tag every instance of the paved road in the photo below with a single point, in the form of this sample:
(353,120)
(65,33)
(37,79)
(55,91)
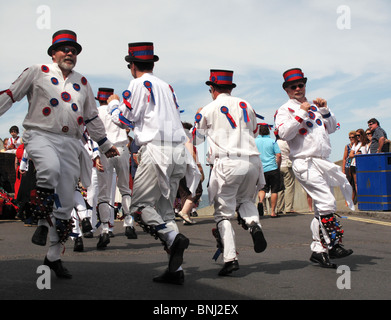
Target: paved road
(126,268)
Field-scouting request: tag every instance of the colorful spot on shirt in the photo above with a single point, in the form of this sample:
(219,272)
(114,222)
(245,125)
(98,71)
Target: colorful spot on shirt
(66,96)
(84,81)
(46,111)
(311,115)
(74,107)
(76,86)
(319,122)
(54,81)
(45,69)
(126,94)
(54,102)
(80,120)
(303,131)
(309,124)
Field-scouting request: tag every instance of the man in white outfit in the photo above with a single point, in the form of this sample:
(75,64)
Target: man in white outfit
(61,102)
(151,105)
(306,127)
(230,125)
(119,137)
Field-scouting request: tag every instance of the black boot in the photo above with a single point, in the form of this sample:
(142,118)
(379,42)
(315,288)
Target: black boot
(40,236)
(104,240)
(259,240)
(322,258)
(229,267)
(78,246)
(176,252)
(338,251)
(176,277)
(86,225)
(58,268)
(130,233)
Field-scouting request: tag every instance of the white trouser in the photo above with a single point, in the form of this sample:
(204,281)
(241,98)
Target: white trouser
(106,184)
(56,159)
(236,181)
(92,196)
(316,184)
(158,210)
(79,212)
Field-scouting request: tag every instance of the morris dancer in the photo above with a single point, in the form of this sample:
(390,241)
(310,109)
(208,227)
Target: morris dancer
(119,166)
(306,127)
(151,105)
(230,125)
(60,103)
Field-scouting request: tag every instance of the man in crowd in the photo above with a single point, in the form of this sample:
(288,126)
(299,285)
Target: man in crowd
(61,102)
(379,141)
(270,154)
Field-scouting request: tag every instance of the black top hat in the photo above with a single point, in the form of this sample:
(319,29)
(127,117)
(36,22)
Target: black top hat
(221,78)
(293,75)
(63,38)
(141,52)
(104,94)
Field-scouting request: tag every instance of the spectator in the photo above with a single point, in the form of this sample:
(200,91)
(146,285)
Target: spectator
(368,133)
(15,141)
(286,196)
(379,137)
(346,160)
(270,154)
(4,147)
(356,145)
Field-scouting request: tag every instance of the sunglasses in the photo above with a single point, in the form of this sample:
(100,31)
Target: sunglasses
(293,87)
(352,137)
(368,133)
(68,49)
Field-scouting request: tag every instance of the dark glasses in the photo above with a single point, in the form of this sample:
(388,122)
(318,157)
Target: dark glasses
(293,87)
(68,49)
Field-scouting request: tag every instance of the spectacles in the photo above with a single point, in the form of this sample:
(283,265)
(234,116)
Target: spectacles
(370,123)
(352,137)
(68,49)
(368,133)
(293,87)
(358,135)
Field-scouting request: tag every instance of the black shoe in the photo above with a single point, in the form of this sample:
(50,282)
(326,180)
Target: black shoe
(130,233)
(177,277)
(40,235)
(338,251)
(58,268)
(176,252)
(104,240)
(88,234)
(78,246)
(259,240)
(86,225)
(260,209)
(111,234)
(229,267)
(322,258)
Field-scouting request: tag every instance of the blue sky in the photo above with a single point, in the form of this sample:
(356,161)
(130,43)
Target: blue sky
(343,47)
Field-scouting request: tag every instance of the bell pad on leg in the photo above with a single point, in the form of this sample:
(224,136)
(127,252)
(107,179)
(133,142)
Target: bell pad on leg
(331,231)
